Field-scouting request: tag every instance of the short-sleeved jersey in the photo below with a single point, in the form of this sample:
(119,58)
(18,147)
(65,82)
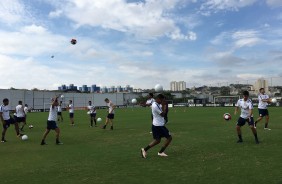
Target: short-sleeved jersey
(71,108)
(91,109)
(150,101)
(5,112)
(25,110)
(20,111)
(59,108)
(158,120)
(262,105)
(111,105)
(245,107)
(53,113)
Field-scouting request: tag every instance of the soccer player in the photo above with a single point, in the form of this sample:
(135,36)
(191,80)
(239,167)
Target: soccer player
(111,114)
(60,116)
(149,103)
(246,106)
(7,120)
(262,108)
(25,111)
(71,112)
(20,114)
(51,123)
(158,127)
(92,113)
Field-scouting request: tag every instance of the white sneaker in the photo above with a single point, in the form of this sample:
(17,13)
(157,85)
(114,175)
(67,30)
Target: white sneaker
(162,154)
(143,153)
(267,129)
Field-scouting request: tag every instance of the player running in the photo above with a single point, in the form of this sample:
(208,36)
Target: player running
(158,127)
(262,108)
(246,106)
(92,113)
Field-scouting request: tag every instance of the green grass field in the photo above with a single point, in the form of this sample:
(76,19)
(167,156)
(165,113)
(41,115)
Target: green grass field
(203,150)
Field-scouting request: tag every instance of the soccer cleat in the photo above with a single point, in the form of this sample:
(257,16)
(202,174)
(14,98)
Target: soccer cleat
(43,143)
(3,141)
(162,154)
(143,153)
(257,141)
(20,135)
(267,129)
(240,141)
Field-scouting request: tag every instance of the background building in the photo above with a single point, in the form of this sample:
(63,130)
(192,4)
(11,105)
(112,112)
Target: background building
(261,83)
(177,86)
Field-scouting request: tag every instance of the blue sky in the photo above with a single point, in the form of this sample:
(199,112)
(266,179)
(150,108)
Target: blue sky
(139,43)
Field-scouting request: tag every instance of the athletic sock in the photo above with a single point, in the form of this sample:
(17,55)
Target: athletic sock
(91,122)
(265,125)
(240,137)
(162,149)
(104,127)
(147,148)
(112,127)
(95,121)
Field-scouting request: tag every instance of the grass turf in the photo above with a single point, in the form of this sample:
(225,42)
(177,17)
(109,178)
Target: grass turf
(203,150)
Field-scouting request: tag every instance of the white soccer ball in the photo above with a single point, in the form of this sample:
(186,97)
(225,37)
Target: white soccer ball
(227,116)
(30,126)
(134,101)
(24,137)
(99,119)
(88,112)
(273,100)
(62,96)
(158,88)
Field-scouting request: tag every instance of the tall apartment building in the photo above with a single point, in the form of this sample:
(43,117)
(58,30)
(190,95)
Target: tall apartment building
(177,86)
(261,83)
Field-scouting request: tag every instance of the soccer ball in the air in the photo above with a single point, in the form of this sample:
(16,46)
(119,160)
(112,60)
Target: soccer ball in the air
(158,88)
(227,116)
(30,126)
(273,100)
(73,41)
(88,112)
(134,101)
(24,137)
(99,119)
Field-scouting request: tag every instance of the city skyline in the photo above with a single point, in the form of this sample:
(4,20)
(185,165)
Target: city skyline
(138,42)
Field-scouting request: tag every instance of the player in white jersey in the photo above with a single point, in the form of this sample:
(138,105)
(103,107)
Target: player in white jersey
(60,116)
(51,123)
(158,127)
(246,106)
(262,108)
(111,114)
(92,113)
(71,112)
(20,114)
(7,120)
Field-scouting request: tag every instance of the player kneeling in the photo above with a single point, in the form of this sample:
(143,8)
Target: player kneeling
(158,128)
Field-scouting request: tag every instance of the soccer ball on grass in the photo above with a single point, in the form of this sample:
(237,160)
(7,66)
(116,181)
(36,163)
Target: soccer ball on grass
(227,116)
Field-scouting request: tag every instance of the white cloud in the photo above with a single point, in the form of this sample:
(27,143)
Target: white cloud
(247,38)
(274,3)
(149,19)
(55,14)
(218,5)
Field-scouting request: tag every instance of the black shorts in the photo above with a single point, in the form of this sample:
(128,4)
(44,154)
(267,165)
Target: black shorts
(51,125)
(241,121)
(59,113)
(71,115)
(93,115)
(263,112)
(159,132)
(20,119)
(111,116)
(8,123)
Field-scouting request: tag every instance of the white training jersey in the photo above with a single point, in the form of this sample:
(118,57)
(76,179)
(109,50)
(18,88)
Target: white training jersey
(262,105)
(71,108)
(53,113)
(20,111)
(91,109)
(25,110)
(150,101)
(158,120)
(111,105)
(59,108)
(5,112)
(245,107)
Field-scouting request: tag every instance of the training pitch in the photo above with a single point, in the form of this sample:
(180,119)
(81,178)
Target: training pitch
(203,150)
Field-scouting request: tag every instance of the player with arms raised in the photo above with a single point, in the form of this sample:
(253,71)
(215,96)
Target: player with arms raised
(246,106)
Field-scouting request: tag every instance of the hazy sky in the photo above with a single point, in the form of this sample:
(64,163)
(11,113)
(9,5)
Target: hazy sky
(140,43)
